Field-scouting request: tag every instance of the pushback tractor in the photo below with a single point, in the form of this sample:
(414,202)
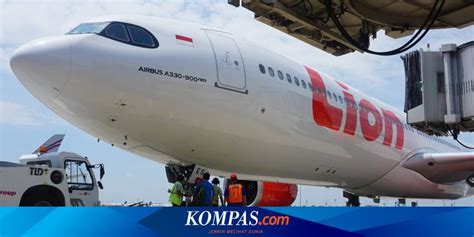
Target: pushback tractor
(50,178)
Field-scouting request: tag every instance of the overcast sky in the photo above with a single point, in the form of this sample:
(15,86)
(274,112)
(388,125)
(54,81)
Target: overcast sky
(25,123)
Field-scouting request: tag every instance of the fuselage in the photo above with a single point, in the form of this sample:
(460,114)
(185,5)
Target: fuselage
(204,96)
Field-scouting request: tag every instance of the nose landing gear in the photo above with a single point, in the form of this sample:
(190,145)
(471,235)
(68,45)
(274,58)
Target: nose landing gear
(352,199)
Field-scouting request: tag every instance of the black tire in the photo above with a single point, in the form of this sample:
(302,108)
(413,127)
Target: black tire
(39,201)
(42,195)
(43,203)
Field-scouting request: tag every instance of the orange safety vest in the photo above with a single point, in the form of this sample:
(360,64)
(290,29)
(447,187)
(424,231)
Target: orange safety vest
(235,193)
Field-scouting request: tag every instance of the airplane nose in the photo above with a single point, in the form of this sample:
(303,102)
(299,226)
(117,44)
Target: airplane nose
(43,66)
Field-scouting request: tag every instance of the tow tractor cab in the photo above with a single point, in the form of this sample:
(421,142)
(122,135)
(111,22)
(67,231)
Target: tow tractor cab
(50,178)
(81,185)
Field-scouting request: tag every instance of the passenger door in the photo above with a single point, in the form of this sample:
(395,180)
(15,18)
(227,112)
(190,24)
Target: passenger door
(229,63)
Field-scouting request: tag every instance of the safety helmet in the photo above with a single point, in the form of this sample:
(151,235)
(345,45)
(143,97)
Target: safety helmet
(233,176)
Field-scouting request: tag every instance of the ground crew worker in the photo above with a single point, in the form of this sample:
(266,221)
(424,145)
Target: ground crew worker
(235,194)
(217,193)
(177,192)
(207,188)
(188,198)
(198,196)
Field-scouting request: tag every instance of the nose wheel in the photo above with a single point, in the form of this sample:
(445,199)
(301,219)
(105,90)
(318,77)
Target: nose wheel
(352,199)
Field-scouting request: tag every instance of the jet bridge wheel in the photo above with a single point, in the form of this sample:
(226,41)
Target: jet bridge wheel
(470,180)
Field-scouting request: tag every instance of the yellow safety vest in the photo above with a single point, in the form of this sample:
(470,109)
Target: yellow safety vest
(175,198)
(215,196)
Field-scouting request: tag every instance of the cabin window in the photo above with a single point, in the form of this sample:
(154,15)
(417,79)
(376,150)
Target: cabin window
(303,84)
(297,82)
(262,68)
(288,78)
(271,72)
(317,90)
(280,75)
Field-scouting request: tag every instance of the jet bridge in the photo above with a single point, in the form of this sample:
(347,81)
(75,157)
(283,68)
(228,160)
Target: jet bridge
(344,26)
(439,97)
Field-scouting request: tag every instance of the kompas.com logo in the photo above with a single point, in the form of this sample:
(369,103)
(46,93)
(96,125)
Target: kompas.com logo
(234,218)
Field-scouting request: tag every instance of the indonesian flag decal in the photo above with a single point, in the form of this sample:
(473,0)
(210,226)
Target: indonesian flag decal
(184,40)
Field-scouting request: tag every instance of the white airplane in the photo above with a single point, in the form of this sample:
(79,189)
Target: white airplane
(189,95)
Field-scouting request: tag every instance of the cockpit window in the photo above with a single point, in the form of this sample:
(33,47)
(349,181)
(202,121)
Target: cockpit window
(89,28)
(140,36)
(117,31)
